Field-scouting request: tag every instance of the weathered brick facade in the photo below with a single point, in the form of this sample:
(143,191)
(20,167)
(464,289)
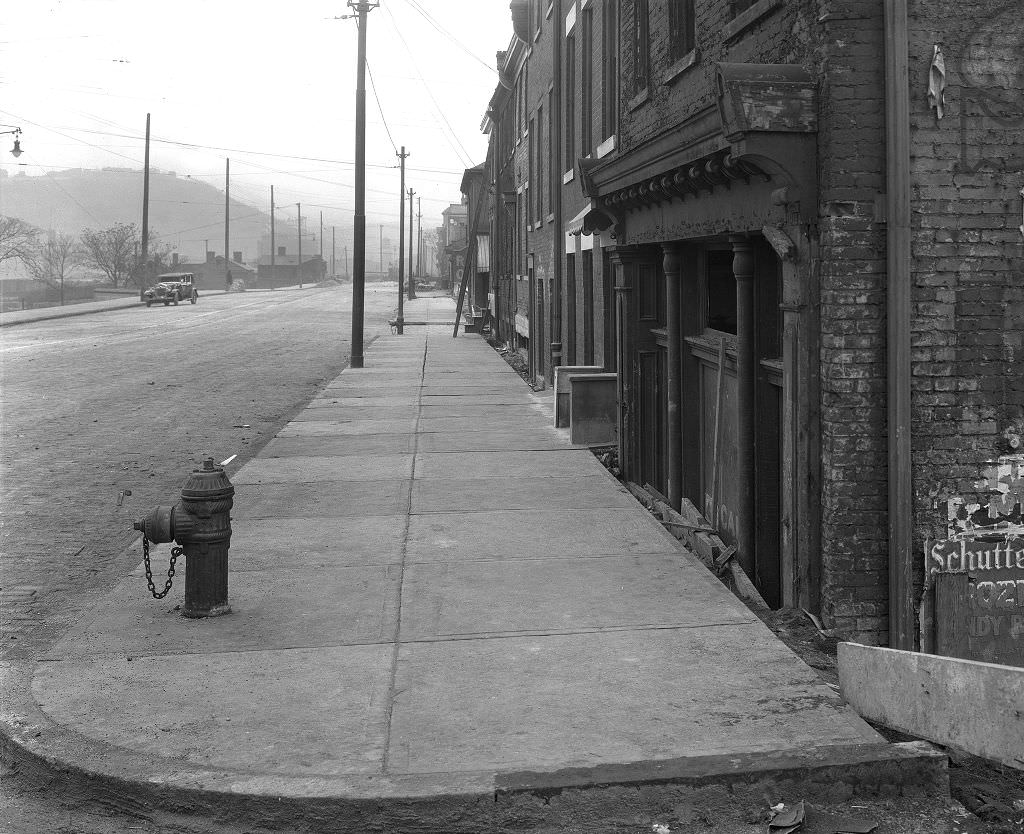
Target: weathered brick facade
(800,199)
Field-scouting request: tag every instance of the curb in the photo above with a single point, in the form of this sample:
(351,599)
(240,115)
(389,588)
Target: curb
(452,802)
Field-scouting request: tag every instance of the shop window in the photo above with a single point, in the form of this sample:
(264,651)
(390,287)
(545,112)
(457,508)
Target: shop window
(721,292)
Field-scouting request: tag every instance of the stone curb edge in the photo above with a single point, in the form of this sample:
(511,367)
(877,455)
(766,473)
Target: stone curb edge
(454,802)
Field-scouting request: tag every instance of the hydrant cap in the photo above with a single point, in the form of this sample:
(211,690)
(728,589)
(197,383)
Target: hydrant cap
(207,483)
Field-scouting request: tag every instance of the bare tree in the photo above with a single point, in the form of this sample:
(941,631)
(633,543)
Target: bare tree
(114,251)
(54,259)
(17,238)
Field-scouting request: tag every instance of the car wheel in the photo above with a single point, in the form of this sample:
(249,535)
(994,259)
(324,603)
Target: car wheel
(167,304)
(175,301)
(192,300)
(149,303)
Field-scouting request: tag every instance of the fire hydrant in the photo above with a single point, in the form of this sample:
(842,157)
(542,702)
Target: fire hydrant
(201,523)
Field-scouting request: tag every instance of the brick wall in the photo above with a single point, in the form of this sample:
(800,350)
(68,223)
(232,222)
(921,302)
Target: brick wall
(854,514)
(968,259)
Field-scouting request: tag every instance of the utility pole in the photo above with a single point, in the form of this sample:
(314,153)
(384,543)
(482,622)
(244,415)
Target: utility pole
(299,206)
(145,217)
(227,214)
(401,247)
(362,7)
(345,251)
(412,279)
(273,242)
(334,253)
(380,226)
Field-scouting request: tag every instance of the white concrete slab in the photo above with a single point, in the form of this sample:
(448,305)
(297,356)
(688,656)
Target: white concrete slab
(978,707)
(531,534)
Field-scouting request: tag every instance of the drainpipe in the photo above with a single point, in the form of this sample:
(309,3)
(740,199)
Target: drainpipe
(558,253)
(898,322)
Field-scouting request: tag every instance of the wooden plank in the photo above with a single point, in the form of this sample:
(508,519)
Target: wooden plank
(951,611)
(716,449)
(975,706)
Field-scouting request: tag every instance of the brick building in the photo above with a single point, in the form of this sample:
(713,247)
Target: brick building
(806,270)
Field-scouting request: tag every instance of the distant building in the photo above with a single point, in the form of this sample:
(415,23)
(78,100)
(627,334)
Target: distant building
(286,269)
(212,273)
(456,239)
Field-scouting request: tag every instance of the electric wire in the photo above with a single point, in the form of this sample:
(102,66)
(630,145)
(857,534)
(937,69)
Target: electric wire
(460,151)
(433,22)
(376,98)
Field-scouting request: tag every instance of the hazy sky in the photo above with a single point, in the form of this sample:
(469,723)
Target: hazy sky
(269,84)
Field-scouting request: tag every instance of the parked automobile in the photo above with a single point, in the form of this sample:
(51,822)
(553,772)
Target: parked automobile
(171,288)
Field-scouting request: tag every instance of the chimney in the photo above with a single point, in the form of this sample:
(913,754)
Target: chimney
(210,256)
(236,257)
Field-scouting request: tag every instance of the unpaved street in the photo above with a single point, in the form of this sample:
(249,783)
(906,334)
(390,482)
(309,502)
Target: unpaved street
(97,405)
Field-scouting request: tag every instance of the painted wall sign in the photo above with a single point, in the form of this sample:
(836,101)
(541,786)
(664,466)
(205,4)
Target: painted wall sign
(979,601)
(998,507)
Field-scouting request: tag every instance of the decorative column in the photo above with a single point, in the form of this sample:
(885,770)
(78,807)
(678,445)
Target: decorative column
(746,396)
(673,424)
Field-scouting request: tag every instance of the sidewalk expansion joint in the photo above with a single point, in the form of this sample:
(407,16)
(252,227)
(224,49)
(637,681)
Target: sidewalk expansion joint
(396,643)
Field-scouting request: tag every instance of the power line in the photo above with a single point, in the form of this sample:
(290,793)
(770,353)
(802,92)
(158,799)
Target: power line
(376,98)
(466,159)
(433,22)
(194,146)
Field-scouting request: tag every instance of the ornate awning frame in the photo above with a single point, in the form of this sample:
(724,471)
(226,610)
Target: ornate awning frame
(765,132)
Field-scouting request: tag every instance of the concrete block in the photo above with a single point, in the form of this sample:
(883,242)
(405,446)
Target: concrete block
(593,409)
(562,375)
(978,707)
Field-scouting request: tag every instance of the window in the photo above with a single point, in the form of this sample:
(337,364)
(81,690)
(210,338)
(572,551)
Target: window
(552,161)
(530,170)
(570,102)
(721,292)
(641,44)
(539,147)
(587,86)
(610,83)
(681,29)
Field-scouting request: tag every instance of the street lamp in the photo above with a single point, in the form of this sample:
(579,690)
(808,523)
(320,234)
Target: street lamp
(16,150)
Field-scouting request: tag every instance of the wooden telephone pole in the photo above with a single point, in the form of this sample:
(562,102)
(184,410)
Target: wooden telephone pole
(362,7)
(400,323)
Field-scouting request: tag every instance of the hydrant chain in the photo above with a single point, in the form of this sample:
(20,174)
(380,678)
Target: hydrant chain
(175,553)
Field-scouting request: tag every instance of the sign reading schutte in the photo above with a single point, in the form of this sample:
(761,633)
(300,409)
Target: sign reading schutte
(979,604)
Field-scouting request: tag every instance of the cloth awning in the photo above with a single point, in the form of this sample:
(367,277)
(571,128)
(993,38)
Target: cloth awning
(575,226)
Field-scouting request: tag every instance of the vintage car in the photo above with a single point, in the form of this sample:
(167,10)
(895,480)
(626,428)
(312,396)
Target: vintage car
(172,288)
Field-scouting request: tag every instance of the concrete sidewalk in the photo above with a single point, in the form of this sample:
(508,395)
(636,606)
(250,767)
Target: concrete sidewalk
(445,618)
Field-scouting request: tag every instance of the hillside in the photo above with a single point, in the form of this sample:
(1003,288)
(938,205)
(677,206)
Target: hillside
(182,211)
